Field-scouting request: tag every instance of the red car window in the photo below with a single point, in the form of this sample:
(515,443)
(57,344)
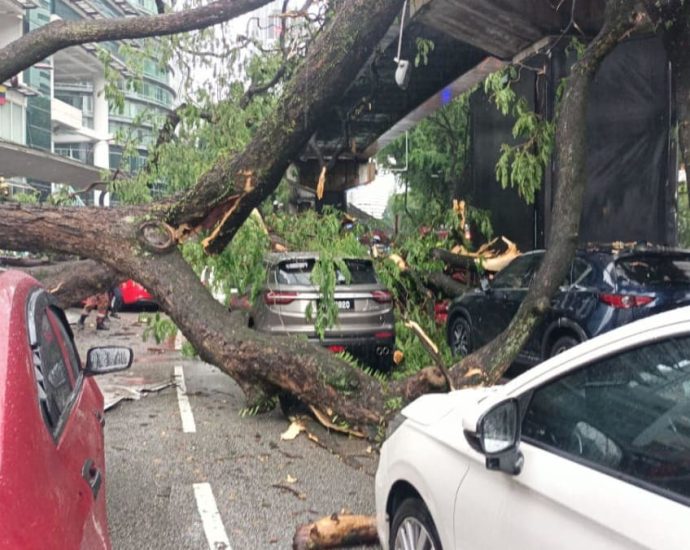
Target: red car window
(53,375)
(66,342)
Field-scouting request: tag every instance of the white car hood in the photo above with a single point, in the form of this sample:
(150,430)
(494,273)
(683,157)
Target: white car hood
(430,408)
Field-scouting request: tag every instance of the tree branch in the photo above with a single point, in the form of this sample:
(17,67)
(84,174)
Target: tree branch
(167,133)
(57,35)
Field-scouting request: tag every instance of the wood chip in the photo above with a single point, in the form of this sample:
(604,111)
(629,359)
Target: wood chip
(296,427)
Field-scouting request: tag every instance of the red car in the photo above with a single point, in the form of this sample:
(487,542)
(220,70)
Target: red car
(52,463)
(132,293)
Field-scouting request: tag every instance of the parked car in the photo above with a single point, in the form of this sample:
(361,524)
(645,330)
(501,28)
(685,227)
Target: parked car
(135,295)
(590,449)
(603,290)
(366,323)
(52,463)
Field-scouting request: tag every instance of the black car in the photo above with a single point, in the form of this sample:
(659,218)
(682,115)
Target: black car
(605,289)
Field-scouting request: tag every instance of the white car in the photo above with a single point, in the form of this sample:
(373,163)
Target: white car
(589,450)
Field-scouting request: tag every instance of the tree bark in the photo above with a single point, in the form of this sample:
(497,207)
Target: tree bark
(57,35)
(336,531)
(454,260)
(71,282)
(448,285)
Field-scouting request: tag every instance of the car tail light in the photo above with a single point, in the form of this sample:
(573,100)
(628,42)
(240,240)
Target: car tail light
(273,298)
(441,312)
(625,301)
(336,349)
(382,296)
(384,335)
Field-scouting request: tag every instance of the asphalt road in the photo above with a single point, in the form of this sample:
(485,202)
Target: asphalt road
(164,485)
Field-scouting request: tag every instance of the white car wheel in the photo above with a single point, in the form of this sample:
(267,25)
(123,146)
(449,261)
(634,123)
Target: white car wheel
(413,528)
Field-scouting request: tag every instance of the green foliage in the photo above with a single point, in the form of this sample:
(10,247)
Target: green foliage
(520,166)
(26,198)
(240,266)
(212,123)
(576,46)
(499,87)
(113,93)
(63,196)
(424,48)
(157,326)
(437,163)
(266,404)
(188,350)
(412,305)
(481,219)
(394,404)
(683,216)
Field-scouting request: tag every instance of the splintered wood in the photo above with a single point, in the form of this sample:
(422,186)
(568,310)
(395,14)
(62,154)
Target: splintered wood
(336,531)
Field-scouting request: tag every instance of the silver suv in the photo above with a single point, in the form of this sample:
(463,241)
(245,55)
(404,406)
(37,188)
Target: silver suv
(366,324)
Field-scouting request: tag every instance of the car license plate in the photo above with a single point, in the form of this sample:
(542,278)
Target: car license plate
(345,305)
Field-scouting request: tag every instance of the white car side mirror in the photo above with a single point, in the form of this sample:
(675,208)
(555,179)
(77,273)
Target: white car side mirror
(498,435)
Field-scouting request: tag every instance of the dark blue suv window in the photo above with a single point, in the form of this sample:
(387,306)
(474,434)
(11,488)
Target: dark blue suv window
(654,269)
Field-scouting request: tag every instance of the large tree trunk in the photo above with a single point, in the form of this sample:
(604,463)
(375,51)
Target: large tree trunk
(136,243)
(70,282)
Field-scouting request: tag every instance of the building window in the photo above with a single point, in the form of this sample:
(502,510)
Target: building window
(12,123)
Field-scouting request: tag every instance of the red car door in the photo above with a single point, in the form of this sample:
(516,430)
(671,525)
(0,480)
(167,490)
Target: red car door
(82,447)
(51,438)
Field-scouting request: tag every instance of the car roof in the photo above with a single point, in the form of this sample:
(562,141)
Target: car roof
(277,257)
(622,249)
(15,287)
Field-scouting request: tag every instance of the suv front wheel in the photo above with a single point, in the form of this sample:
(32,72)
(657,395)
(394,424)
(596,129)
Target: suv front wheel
(459,337)
(562,344)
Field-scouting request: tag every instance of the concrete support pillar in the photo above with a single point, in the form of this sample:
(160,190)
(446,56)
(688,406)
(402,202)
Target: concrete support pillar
(101,149)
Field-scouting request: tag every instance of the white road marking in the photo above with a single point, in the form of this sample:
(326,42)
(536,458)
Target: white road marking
(188,424)
(210,517)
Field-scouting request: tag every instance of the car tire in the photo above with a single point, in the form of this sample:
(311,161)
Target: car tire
(384,364)
(562,344)
(460,337)
(412,525)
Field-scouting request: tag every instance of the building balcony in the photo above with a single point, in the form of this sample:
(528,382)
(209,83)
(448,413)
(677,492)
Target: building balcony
(65,115)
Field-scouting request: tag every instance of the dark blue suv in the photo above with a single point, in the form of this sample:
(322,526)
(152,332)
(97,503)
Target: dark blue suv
(605,289)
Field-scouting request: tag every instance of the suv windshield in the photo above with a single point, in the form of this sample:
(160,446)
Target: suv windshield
(298,272)
(654,269)
(519,272)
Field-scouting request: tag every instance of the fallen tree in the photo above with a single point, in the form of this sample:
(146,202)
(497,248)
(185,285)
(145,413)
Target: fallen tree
(142,242)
